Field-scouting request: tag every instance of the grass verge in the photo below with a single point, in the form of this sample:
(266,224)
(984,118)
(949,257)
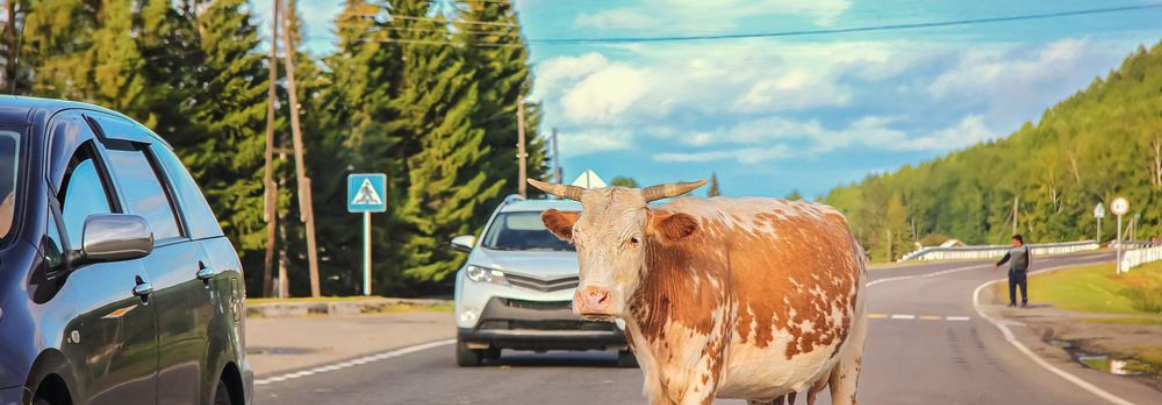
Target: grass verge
(1098,289)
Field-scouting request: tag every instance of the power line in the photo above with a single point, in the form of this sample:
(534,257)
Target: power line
(872,28)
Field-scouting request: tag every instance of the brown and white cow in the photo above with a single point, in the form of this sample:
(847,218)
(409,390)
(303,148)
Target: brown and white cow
(749,298)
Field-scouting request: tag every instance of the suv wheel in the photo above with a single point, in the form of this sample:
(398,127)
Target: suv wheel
(625,359)
(466,357)
(222,394)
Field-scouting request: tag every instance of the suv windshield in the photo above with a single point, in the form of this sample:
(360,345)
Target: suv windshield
(9,162)
(522,231)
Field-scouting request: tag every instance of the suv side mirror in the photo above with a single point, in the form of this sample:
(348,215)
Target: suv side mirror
(463,243)
(114,237)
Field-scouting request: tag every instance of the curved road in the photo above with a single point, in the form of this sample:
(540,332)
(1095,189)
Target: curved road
(927,345)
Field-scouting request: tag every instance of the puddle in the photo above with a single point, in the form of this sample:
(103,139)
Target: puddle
(1107,364)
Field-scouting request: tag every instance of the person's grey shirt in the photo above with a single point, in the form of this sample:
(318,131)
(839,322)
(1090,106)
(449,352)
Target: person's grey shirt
(1018,259)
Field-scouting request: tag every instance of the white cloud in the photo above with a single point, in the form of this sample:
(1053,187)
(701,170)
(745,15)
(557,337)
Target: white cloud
(967,132)
(700,16)
(594,141)
(999,73)
(617,18)
(794,90)
(665,81)
(555,75)
(767,139)
(604,95)
(748,155)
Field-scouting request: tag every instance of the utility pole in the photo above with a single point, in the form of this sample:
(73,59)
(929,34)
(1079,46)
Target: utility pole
(556,159)
(304,182)
(1016,212)
(269,214)
(522,184)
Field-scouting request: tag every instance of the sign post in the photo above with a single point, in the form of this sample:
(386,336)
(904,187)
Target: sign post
(366,193)
(1099,212)
(1120,207)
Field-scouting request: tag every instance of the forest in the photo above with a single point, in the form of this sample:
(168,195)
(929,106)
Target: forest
(1101,143)
(424,91)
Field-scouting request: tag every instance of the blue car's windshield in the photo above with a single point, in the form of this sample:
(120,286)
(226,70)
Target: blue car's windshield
(9,163)
(522,231)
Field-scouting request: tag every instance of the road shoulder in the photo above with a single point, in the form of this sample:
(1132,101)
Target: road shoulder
(1028,339)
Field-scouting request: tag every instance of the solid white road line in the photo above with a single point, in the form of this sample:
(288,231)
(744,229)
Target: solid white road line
(355,362)
(926,275)
(1009,337)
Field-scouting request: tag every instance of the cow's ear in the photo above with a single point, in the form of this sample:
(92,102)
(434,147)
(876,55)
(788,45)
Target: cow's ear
(560,223)
(671,227)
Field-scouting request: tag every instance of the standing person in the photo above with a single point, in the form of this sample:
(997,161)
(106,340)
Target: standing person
(1019,260)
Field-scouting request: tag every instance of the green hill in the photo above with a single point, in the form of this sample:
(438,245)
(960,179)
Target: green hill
(1103,142)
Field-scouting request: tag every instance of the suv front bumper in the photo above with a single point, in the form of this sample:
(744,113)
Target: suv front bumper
(539,325)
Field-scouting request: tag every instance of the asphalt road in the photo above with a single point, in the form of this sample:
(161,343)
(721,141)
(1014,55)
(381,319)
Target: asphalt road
(944,354)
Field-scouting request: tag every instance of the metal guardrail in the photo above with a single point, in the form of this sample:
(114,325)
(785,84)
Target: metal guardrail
(1138,257)
(996,251)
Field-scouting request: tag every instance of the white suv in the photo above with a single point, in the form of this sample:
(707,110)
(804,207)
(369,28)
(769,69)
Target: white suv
(515,291)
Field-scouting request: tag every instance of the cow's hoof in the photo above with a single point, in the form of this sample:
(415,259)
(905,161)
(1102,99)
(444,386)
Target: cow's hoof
(625,359)
(466,357)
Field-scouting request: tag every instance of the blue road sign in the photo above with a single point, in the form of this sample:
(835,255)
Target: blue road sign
(367,192)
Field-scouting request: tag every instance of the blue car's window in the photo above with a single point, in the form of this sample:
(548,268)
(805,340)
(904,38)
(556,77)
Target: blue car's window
(200,220)
(84,195)
(522,231)
(9,163)
(143,192)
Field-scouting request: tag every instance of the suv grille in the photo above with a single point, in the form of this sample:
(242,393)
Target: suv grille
(540,305)
(531,283)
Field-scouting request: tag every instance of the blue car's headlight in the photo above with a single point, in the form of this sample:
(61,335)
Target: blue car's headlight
(485,275)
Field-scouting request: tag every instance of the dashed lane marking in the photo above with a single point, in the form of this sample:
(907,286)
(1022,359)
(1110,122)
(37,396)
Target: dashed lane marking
(912,317)
(355,362)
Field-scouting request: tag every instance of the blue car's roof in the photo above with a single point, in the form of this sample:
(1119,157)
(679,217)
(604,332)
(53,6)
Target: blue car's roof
(21,110)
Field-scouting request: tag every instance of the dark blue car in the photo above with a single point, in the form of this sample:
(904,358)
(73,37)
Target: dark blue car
(117,285)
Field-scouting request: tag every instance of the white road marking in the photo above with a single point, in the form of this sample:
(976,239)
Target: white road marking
(957,318)
(1009,337)
(355,362)
(903,316)
(925,275)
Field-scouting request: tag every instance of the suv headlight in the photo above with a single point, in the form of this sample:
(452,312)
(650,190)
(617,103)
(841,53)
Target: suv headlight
(485,275)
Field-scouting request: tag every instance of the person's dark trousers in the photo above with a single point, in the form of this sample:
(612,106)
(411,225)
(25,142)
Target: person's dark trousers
(1018,279)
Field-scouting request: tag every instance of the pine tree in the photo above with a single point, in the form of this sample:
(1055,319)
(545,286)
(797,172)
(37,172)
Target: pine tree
(494,48)
(438,101)
(224,147)
(115,77)
(624,181)
(713,191)
(58,35)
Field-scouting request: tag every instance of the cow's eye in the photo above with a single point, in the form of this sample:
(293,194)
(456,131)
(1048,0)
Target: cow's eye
(634,241)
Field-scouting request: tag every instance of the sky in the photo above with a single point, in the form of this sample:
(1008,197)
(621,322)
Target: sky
(805,113)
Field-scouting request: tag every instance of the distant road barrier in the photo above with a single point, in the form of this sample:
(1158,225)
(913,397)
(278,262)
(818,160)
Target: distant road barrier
(996,251)
(1138,257)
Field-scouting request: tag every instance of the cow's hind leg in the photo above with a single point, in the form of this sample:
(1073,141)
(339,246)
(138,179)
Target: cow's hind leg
(845,376)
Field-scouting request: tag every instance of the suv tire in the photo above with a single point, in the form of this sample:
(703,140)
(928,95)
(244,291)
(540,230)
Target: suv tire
(466,357)
(626,359)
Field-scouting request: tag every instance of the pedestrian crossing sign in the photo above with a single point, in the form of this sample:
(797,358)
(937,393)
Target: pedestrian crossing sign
(366,192)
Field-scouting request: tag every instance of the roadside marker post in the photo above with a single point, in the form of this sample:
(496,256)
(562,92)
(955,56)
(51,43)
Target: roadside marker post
(1120,206)
(366,193)
(1099,212)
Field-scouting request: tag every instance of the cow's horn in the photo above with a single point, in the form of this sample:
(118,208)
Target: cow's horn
(658,192)
(559,190)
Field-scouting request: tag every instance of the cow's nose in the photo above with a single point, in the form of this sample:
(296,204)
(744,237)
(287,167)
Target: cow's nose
(593,301)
